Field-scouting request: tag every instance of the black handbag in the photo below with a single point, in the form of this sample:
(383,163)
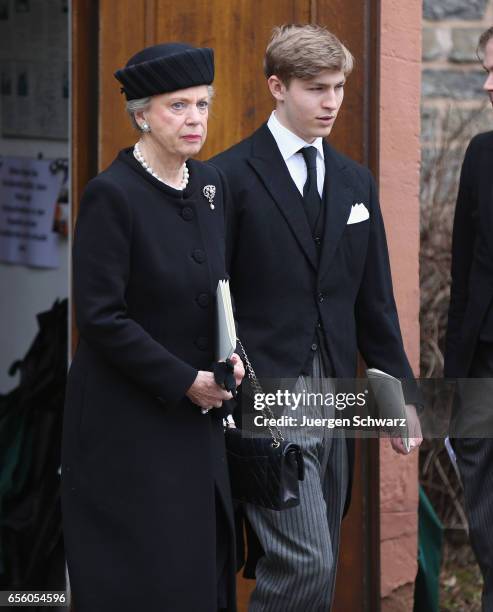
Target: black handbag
(264,471)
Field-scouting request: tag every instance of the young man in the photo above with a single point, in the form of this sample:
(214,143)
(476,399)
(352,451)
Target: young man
(311,281)
(469,346)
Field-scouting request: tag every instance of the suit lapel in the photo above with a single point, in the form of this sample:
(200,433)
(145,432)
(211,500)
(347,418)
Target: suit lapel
(269,165)
(337,202)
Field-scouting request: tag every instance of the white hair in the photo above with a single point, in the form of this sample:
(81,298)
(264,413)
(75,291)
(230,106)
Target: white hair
(142,104)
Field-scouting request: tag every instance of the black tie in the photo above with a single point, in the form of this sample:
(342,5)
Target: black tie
(311,196)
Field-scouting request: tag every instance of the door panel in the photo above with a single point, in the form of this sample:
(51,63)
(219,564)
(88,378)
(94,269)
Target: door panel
(351,131)
(237,31)
(122,33)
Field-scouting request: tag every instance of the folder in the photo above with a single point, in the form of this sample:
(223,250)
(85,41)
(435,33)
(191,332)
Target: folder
(389,398)
(225,323)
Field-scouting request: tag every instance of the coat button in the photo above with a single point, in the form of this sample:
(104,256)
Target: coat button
(199,255)
(202,343)
(318,240)
(319,325)
(314,346)
(321,297)
(187,213)
(203,300)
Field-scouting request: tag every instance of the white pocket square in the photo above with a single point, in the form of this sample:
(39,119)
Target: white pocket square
(359,213)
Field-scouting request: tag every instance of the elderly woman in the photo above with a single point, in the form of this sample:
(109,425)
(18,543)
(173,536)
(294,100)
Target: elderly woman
(145,493)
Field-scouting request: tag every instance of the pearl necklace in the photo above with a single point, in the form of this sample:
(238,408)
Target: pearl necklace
(140,158)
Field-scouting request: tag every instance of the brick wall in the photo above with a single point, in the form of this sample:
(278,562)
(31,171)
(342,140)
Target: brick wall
(399,155)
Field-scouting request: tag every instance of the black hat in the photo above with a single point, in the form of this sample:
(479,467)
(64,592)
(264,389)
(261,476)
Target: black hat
(163,68)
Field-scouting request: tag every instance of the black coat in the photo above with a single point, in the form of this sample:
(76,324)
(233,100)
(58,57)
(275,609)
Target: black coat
(142,468)
(470,315)
(280,288)
(284,284)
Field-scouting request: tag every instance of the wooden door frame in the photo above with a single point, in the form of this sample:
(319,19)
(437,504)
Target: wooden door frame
(84,132)
(84,100)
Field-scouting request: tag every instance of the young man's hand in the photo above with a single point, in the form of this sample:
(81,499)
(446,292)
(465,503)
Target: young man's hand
(414,429)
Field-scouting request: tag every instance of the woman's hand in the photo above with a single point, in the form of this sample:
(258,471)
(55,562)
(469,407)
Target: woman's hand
(239,370)
(206,393)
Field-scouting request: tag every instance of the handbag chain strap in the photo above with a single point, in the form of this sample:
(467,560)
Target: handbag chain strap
(276,435)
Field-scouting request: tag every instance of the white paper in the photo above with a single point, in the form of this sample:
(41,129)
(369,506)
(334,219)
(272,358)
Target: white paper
(28,195)
(226,332)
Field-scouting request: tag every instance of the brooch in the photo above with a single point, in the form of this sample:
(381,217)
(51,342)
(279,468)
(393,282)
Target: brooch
(209,192)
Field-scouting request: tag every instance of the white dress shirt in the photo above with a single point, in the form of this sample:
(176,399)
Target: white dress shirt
(289,145)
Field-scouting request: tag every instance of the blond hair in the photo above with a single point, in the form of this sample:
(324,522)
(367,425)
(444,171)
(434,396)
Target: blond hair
(303,51)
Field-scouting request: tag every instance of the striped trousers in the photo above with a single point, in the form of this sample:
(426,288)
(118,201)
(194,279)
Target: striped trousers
(297,572)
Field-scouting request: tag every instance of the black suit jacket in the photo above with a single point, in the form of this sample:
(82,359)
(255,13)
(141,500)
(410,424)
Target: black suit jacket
(470,314)
(280,288)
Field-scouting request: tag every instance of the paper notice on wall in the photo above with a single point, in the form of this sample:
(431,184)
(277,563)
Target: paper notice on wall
(29,191)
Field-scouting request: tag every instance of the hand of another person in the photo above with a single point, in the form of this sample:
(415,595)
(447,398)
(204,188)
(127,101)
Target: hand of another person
(414,430)
(206,393)
(239,370)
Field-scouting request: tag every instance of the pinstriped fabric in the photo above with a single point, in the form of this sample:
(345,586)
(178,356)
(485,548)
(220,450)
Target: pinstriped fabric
(475,461)
(297,572)
(334,490)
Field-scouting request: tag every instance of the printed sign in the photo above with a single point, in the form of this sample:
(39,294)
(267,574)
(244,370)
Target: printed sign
(29,190)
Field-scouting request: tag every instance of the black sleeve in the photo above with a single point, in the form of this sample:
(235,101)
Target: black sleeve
(101,267)
(231,205)
(378,330)
(230,236)
(231,229)
(463,239)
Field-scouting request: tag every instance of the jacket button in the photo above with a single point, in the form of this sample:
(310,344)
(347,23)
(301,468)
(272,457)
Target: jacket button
(203,300)
(319,325)
(199,255)
(202,343)
(318,240)
(321,297)
(187,213)
(314,346)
